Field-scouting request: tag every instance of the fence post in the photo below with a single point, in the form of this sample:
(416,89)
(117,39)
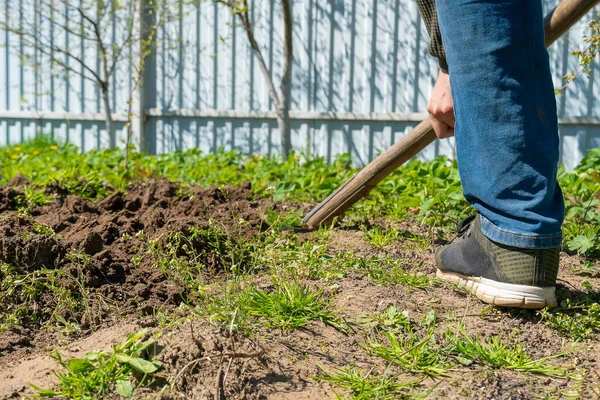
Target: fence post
(147,89)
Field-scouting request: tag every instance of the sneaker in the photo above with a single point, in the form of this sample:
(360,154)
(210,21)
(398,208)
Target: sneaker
(498,274)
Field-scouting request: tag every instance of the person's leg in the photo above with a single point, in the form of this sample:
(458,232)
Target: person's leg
(507,147)
(506,123)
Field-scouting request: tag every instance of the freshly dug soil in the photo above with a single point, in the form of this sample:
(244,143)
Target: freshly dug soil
(98,246)
(96,242)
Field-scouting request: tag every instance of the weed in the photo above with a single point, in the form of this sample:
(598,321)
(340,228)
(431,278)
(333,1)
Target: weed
(79,257)
(415,353)
(227,308)
(32,198)
(390,271)
(411,352)
(498,353)
(367,386)
(187,257)
(42,229)
(578,315)
(291,306)
(380,238)
(39,229)
(41,297)
(391,320)
(587,241)
(576,322)
(102,373)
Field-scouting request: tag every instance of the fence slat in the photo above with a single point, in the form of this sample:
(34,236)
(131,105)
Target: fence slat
(350,56)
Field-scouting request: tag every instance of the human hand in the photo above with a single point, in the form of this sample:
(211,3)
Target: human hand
(441,107)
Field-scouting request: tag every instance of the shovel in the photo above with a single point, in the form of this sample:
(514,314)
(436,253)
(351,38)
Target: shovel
(557,22)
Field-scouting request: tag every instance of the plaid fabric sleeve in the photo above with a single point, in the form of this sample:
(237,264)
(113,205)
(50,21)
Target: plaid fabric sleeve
(429,14)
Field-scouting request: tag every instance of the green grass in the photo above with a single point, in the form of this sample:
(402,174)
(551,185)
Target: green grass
(32,198)
(290,305)
(367,385)
(390,320)
(416,348)
(497,352)
(48,297)
(216,270)
(578,314)
(101,374)
(380,238)
(431,191)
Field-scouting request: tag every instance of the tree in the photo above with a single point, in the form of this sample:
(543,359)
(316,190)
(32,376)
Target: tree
(281,100)
(109,27)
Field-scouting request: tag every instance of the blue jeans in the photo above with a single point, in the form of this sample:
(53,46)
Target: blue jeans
(506,123)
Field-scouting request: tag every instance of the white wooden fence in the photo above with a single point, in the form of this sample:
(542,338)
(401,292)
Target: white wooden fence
(361,79)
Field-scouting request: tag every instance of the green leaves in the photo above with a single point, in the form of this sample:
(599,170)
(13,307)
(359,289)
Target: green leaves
(124,387)
(583,243)
(138,364)
(100,373)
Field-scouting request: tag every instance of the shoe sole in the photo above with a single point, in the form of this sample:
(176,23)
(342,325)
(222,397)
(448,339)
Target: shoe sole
(503,294)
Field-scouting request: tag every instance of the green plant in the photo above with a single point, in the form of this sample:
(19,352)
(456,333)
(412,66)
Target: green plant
(367,386)
(390,271)
(578,314)
(39,229)
(499,353)
(32,198)
(42,229)
(46,297)
(587,242)
(101,374)
(290,306)
(391,320)
(380,238)
(227,306)
(414,352)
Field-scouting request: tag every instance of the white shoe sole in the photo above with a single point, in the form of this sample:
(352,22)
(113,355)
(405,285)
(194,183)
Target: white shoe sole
(503,294)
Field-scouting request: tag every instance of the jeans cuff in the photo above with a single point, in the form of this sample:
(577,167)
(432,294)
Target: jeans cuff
(518,239)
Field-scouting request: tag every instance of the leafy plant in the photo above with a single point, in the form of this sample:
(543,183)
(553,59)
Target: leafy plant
(587,242)
(391,320)
(103,373)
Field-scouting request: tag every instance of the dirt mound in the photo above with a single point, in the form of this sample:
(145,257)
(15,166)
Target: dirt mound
(103,250)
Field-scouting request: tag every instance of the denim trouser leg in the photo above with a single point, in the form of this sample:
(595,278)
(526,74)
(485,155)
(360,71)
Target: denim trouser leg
(506,123)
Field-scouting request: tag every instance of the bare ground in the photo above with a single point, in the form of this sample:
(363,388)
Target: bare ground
(270,364)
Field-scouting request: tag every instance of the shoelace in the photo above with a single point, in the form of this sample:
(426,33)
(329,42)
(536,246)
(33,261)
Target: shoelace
(464,227)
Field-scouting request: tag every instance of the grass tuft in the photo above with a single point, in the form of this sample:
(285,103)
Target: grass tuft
(496,352)
(291,305)
(367,386)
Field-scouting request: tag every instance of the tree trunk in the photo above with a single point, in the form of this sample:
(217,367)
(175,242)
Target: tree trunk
(283,123)
(110,129)
(283,111)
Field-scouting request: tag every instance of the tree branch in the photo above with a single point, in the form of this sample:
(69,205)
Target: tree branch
(29,40)
(244,17)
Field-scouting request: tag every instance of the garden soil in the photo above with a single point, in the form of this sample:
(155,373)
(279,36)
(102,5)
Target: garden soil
(275,365)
